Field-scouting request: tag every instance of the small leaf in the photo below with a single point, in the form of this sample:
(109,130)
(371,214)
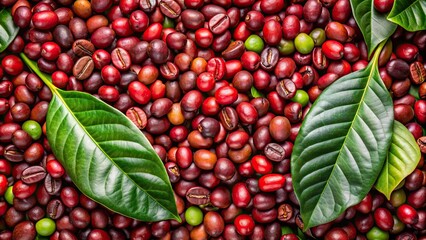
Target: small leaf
(374,26)
(409,14)
(403,157)
(255,93)
(8,29)
(342,145)
(106,156)
(414,90)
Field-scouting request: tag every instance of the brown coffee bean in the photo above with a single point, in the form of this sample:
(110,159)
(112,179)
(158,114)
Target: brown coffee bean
(422,144)
(83,68)
(13,154)
(169,71)
(83,47)
(198,195)
(318,59)
(137,116)
(33,174)
(274,152)
(269,58)
(286,89)
(55,209)
(52,185)
(229,118)
(234,50)
(170,8)
(121,59)
(219,23)
(417,72)
(285,212)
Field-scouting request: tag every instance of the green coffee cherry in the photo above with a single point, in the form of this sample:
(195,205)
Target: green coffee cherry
(194,216)
(45,227)
(398,198)
(304,43)
(286,47)
(254,43)
(33,128)
(318,35)
(301,97)
(8,195)
(377,234)
(168,23)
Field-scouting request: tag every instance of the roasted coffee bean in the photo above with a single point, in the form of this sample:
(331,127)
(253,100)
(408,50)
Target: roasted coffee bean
(33,174)
(274,152)
(55,209)
(13,154)
(148,5)
(219,23)
(269,58)
(121,59)
(234,50)
(286,89)
(170,8)
(422,144)
(229,118)
(52,185)
(198,195)
(285,212)
(417,73)
(83,68)
(83,47)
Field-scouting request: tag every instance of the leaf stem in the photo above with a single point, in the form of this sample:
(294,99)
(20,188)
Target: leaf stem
(44,77)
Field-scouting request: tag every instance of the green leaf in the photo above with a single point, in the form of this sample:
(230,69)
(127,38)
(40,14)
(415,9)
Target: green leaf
(342,145)
(106,155)
(255,93)
(414,90)
(374,26)
(8,29)
(403,157)
(409,14)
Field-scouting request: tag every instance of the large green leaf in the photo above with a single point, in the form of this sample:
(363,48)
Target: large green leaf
(8,29)
(409,14)
(342,145)
(106,155)
(374,26)
(403,157)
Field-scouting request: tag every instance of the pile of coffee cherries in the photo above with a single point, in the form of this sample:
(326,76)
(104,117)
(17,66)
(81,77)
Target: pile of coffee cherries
(220,89)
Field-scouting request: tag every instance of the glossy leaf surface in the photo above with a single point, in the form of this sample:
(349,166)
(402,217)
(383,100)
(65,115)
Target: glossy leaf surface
(342,145)
(374,26)
(8,30)
(403,157)
(255,93)
(409,14)
(106,155)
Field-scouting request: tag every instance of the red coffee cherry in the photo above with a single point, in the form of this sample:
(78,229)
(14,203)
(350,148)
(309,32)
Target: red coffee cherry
(383,6)
(407,214)
(244,224)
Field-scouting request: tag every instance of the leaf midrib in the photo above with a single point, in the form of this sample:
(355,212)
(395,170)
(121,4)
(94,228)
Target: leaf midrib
(405,9)
(59,96)
(372,66)
(102,150)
